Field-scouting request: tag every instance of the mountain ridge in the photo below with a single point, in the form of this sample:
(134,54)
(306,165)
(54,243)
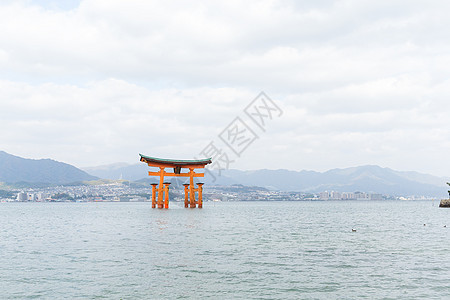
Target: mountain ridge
(16,169)
(366,178)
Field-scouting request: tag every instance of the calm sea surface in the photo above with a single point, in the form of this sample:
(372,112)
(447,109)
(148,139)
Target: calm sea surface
(232,250)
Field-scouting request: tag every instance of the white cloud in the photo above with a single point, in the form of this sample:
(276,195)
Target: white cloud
(108,120)
(360,82)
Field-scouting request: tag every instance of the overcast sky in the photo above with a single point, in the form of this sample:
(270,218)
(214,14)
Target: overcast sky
(98,81)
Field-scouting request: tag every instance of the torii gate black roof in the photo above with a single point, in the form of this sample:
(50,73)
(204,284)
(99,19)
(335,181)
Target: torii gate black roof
(179,162)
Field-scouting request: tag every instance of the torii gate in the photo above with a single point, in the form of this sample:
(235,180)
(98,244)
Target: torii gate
(177,165)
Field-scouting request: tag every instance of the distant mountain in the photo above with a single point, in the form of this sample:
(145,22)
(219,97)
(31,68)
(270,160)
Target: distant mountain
(369,178)
(14,169)
(120,171)
(139,172)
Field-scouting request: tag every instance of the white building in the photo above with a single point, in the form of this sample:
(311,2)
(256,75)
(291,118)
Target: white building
(22,197)
(348,196)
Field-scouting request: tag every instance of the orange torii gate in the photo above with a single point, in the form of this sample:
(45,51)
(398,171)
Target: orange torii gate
(177,165)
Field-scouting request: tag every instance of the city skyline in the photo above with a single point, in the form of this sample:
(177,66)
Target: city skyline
(96,82)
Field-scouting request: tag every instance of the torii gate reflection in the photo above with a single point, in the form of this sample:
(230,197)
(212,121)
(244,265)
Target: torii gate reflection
(177,165)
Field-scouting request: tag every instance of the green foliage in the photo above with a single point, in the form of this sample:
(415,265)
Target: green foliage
(63,196)
(145,195)
(4,186)
(7,194)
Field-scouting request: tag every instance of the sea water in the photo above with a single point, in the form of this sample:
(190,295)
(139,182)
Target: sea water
(227,250)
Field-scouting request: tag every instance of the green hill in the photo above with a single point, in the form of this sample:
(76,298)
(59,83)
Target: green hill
(14,169)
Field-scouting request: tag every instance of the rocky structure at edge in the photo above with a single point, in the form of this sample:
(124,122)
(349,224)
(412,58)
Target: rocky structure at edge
(445,203)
